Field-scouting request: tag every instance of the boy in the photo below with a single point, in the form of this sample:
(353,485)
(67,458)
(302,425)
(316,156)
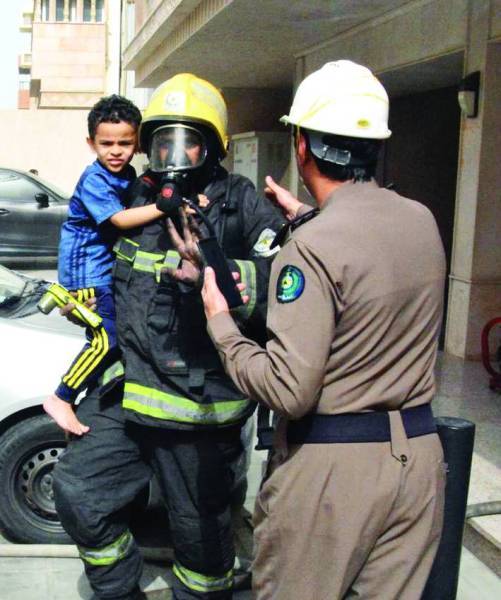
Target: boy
(95,213)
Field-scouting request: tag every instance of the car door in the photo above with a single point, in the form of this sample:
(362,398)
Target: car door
(29,223)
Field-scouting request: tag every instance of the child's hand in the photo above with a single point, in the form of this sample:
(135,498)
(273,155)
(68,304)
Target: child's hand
(66,311)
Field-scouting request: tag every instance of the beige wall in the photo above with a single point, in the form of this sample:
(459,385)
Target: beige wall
(52,141)
(69,59)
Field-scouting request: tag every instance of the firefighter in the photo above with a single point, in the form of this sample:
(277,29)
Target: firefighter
(353,502)
(169,408)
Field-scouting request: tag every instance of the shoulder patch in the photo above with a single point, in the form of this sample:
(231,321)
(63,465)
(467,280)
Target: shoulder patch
(290,284)
(263,246)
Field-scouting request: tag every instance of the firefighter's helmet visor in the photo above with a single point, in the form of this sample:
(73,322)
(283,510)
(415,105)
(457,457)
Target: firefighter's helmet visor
(177,148)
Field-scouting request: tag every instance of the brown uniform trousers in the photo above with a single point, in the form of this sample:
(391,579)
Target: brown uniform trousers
(350,520)
(355,308)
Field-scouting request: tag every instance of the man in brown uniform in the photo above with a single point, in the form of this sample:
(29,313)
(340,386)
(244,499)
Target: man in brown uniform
(353,500)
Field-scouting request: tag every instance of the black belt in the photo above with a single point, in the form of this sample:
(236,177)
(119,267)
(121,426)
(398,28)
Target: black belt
(358,427)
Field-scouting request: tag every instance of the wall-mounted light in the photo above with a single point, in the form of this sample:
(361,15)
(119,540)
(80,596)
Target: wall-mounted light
(468,92)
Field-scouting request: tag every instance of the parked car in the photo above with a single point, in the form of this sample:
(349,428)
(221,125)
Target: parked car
(35,350)
(31,214)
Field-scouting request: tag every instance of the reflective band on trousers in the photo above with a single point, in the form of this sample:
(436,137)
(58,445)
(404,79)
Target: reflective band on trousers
(248,277)
(203,583)
(110,554)
(161,405)
(114,372)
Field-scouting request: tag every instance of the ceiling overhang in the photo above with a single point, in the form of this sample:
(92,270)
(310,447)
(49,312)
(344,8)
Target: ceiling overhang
(243,44)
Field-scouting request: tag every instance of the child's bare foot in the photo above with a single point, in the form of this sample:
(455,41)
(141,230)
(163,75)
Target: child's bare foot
(63,414)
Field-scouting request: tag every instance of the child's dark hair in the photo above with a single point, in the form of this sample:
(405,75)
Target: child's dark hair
(113,109)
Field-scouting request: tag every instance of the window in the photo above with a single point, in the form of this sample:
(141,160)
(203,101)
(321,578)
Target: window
(87,10)
(44,10)
(99,11)
(59,10)
(131,21)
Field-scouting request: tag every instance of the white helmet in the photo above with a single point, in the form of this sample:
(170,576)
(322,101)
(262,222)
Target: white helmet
(342,98)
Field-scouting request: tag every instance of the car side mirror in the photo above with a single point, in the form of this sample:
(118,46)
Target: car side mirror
(42,200)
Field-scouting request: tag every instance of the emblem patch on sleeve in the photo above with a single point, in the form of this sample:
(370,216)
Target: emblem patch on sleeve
(290,284)
(263,245)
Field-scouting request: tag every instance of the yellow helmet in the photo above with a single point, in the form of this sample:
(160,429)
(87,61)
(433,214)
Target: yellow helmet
(188,99)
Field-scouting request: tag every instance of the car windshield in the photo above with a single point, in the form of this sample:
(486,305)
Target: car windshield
(12,285)
(19,294)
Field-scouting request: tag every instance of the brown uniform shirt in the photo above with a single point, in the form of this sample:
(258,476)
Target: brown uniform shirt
(355,305)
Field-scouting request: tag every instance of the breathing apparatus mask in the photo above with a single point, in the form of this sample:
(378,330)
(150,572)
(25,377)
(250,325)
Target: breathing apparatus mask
(178,154)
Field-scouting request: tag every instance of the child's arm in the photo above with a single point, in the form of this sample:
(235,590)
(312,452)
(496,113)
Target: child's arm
(135,217)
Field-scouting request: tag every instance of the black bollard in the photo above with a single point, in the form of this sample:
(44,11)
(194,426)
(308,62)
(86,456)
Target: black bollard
(457,437)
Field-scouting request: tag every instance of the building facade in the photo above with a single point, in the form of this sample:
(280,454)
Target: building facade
(257,52)
(70,57)
(74,53)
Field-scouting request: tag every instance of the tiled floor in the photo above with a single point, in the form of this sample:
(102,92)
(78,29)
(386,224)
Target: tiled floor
(462,392)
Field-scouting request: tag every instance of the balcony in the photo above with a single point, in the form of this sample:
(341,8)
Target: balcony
(27,24)
(24,62)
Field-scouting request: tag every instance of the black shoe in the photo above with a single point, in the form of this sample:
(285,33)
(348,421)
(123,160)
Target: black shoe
(242,580)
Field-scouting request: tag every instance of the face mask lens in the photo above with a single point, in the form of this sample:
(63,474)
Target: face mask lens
(177,148)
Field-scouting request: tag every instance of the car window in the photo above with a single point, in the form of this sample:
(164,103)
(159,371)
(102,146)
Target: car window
(15,188)
(50,186)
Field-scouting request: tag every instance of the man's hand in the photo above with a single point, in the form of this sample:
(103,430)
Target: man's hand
(214,301)
(286,202)
(191,262)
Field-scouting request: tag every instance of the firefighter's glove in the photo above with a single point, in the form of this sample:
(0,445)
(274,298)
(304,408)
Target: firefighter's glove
(190,270)
(169,200)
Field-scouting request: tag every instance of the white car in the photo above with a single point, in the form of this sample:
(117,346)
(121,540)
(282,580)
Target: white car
(35,351)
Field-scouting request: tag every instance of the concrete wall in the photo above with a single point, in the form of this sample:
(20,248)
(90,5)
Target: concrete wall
(475,292)
(51,141)
(495,29)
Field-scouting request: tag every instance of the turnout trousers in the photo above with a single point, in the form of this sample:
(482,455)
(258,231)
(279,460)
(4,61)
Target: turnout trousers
(350,520)
(101,473)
